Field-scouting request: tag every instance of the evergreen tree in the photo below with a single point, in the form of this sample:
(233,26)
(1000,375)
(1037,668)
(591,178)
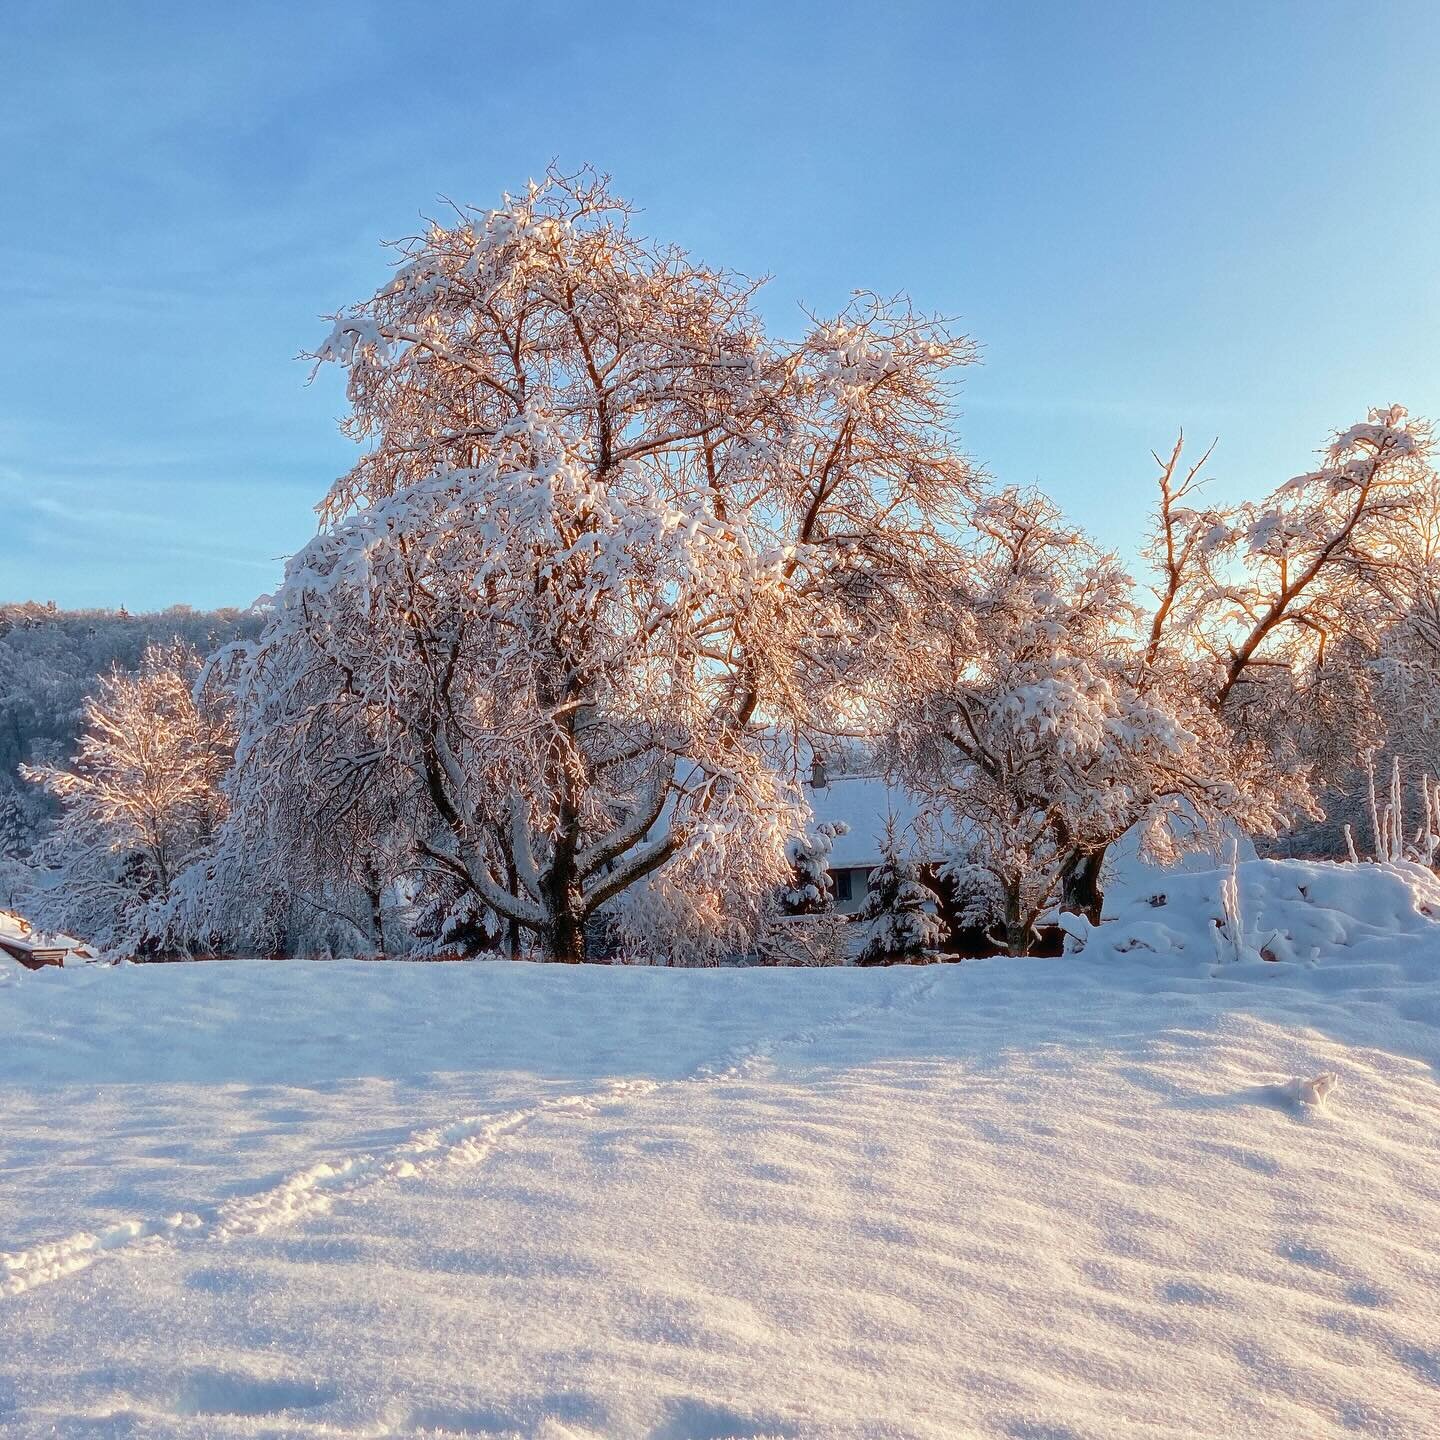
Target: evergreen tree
(900,926)
(14,832)
(811,891)
(14,847)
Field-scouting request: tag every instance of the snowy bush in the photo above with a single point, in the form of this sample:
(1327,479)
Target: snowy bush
(811,890)
(813,939)
(1277,910)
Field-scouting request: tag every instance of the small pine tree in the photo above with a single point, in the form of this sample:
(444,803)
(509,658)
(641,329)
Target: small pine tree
(811,891)
(14,833)
(900,926)
(14,847)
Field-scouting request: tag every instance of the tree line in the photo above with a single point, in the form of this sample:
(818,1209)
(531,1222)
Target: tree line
(614,554)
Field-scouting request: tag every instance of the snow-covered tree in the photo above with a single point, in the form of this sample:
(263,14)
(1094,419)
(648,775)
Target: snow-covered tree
(898,913)
(603,531)
(14,831)
(1265,589)
(1380,707)
(811,891)
(1289,617)
(14,848)
(141,804)
(1040,735)
(1067,713)
(52,659)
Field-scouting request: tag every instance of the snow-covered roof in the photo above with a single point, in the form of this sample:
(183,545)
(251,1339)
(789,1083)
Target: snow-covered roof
(863,803)
(20,932)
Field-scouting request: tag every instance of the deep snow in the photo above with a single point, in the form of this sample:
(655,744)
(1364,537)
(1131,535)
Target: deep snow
(1090,1197)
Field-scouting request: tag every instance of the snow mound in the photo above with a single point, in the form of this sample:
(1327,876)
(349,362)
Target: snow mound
(1311,1093)
(1281,910)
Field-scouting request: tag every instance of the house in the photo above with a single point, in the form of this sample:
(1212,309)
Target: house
(34,950)
(864,804)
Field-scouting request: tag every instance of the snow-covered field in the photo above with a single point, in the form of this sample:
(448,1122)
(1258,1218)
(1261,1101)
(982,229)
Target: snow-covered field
(1040,1200)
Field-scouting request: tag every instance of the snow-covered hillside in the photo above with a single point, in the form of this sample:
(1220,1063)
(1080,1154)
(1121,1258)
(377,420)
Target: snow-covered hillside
(1033,1199)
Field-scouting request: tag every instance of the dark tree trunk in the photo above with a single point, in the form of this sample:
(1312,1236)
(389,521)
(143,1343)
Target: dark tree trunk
(377,919)
(1017,932)
(1080,886)
(512,926)
(564,939)
(562,935)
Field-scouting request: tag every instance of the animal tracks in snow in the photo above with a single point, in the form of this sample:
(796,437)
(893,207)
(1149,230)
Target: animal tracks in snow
(311,1191)
(466,1141)
(25,1269)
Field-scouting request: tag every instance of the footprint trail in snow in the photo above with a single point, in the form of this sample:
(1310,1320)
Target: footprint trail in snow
(315,1189)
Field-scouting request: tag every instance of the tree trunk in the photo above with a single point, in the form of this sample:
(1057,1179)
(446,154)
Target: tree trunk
(562,935)
(377,918)
(564,938)
(1080,885)
(512,926)
(1017,932)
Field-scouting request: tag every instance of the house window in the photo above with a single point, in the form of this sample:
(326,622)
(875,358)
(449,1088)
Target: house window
(841,880)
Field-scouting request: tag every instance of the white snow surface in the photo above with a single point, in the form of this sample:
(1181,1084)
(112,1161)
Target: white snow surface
(1140,1191)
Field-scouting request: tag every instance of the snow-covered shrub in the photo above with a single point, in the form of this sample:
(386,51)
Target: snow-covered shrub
(1389,835)
(810,940)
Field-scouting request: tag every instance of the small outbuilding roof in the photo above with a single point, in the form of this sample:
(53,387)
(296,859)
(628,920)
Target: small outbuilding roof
(33,948)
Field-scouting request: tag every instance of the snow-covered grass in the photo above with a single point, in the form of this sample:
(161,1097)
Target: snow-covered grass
(1037,1199)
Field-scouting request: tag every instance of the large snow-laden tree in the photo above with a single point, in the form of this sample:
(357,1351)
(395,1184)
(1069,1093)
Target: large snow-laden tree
(141,804)
(1079,713)
(603,530)
(1031,720)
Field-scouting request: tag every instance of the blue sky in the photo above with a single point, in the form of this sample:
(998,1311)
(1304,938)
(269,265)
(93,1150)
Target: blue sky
(1223,216)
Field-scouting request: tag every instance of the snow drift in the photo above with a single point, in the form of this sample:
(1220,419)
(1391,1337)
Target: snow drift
(1268,909)
(1129,1192)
